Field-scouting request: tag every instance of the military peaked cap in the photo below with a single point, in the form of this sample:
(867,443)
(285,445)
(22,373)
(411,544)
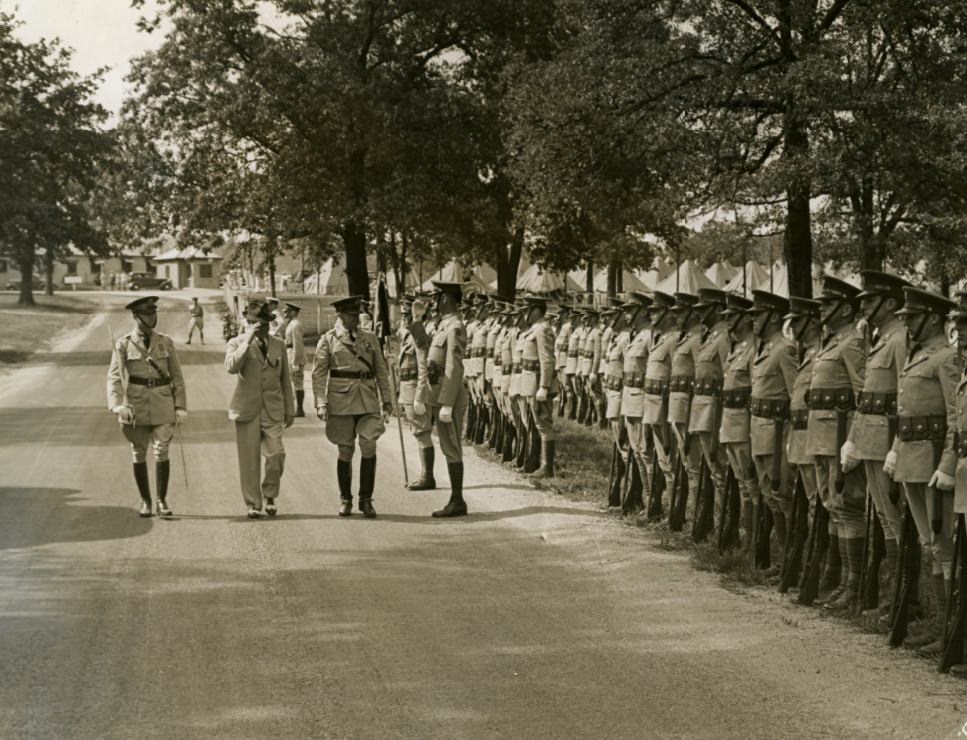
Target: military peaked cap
(735,303)
(923,301)
(662,300)
(638,298)
(685,301)
(293,307)
(803,308)
(835,289)
(763,300)
(445,287)
(352,304)
(876,283)
(710,297)
(147,304)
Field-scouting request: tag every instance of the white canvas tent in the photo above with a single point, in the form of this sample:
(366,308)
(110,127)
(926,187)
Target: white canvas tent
(628,281)
(755,276)
(329,279)
(687,279)
(536,280)
(453,272)
(661,269)
(721,273)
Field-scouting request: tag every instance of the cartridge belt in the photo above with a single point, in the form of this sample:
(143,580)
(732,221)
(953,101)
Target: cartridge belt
(880,404)
(920,428)
(770,408)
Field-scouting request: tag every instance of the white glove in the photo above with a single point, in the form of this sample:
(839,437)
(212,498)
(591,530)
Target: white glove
(847,456)
(889,465)
(323,413)
(941,481)
(180,415)
(124,413)
(419,310)
(446,414)
(541,394)
(419,408)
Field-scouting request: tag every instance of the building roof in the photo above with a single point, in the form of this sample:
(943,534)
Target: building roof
(188,253)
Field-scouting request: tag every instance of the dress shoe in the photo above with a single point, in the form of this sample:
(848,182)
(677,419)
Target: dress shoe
(346,507)
(366,507)
(145,509)
(254,513)
(163,509)
(270,507)
(453,508)
(423,484)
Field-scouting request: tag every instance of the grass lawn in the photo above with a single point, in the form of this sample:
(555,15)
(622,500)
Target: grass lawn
(27,329)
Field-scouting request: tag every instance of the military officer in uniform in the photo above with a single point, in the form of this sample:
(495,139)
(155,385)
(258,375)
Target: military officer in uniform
(633,460)
(874,423)
(657,375)
(261,407)
(196,320)
(682,383)
(146,390)
(413,347)
(839,371)
(575,345)
(440,389)
(923,457)
(561,341)
(350,383)
(295,346)
(539,382)
(773,378)
(613,381)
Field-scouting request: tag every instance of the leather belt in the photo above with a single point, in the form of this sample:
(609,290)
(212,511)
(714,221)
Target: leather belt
(880,404)
(736,398)
(408,373)
(149,382)
(656,387)
(614,383)
(681,384)
(800,418)
(634,380)
(770,408)
(434,371)
(830,399)
(920,428)
(530,366)
(707,387)
(351,374)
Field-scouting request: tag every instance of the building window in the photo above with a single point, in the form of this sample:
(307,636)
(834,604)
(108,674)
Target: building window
(95,268)
(126,265)
(72,267)
(204,271)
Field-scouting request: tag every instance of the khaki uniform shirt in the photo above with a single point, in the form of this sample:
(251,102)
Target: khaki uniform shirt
(634,368)
(295,343)
(796,452)
(561,344)
(960,488)
(737,375)
(575,344)
(709,375)
(684,358)
(659,367)
(152,406)
(337,350)
(441,382)
(840,365)
(870,431)
(773,378)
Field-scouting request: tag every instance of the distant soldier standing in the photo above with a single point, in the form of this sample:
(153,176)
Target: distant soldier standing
(350,383)
(575,344)
(440,388)
(295,345)
(632,460)
(539,382)
(146,390)
(562,338)
(682,383)
(196,320)
(412,355)
(657,375)
(261,407)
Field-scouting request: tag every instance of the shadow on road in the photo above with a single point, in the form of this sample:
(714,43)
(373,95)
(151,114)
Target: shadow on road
(483,516)
(31,517)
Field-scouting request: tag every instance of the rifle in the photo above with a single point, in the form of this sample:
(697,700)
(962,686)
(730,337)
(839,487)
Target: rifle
(731,507)
(704,504)
(873,551)
(796,538)
(955,624)
(676,514)
(818,544)
(611,478)
(655,485)
(907,579)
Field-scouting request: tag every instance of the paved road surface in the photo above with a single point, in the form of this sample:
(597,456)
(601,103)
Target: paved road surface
(531,618)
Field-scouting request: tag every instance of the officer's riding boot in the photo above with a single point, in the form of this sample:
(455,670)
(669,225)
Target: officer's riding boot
(162,470)
(931,648)
(344,476)
(426,481)
(456,506)
(482,423)
(854,564)
(633,500)
(747,513)
(572,406)
(829,583)
(532,463)
(367,481)
(300,397)
(617,481)
(520,454)
(547,469)
(495,423)
(507,453)
(889,568)
(144,488)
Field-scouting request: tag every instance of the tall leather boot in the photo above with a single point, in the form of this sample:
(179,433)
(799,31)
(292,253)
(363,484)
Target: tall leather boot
(633,501)
(344,476)
(931,648)
(456,506)
(779,524)
(532,463)
(162,470)
(520,453)
(747,523)
(510,434)
(547,469)
(144,488)
(617,482)
(832,582)
(891,551)
(426,482)
(495,423)
(367,481)
(300,397)
(854,564)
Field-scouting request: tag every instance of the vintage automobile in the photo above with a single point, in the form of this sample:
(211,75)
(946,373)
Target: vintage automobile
(138,280)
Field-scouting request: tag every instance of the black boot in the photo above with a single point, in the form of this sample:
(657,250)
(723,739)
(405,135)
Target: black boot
(507,454)
(162,470)
(456,506)
(344,475)
(532,462)
(300,397)
(633,500)
(426,481)
(617,482)
(547,469)
(367,481)
(144,488)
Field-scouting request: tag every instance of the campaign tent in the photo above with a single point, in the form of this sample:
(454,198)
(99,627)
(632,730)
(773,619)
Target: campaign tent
(780,279)
(721,273)
(329,279)
(536,280)
(628,281)
(688,278)
(661,269)
(755,276)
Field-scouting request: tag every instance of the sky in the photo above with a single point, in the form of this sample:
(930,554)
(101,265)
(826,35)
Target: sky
(102,33)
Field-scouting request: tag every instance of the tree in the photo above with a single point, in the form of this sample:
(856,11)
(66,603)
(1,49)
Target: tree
(51,144)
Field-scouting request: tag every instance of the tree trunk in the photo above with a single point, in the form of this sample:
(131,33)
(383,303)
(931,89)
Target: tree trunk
(26,263)
(589,278)
(270,247)
(401,268)
(354,243)
(49,270)
(797,241)
(612,278)
(507,262)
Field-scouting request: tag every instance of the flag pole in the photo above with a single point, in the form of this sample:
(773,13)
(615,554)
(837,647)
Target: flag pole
(382,315)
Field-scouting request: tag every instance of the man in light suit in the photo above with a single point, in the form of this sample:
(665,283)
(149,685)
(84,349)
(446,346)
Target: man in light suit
(296,350)
(261,408)
(350,382)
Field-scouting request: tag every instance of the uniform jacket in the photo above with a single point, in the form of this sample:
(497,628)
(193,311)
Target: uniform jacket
(590,352)
(870,432)
(773,378)
(796,452)
(635,367)
(928,387)
(840,364)
(560,345)
(409,363)
(295,343)
(575,345)
(492,333)
(684,357)
(263,387)
(655,406)
(709,363)
(441,380)
(737,375)
(337,350)
(537,359)
(507,358)
(960,489)
(607,336)
(152,406)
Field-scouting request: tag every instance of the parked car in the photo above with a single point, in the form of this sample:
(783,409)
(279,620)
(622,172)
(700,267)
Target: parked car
(138,280)
(38,283)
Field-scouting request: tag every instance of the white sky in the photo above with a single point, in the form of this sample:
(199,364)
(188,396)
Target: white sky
(101,32)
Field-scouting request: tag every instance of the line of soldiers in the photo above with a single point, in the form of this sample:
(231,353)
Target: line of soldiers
(820,437)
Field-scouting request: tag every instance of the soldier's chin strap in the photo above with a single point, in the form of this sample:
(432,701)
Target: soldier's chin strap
(831,314)
(916,335)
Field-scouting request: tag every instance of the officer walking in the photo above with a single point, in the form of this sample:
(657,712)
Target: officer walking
(146,390)
(412,356)
(196,320)
(261,407)
(350,383)
(923,457)
(295,345)
(440,390)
